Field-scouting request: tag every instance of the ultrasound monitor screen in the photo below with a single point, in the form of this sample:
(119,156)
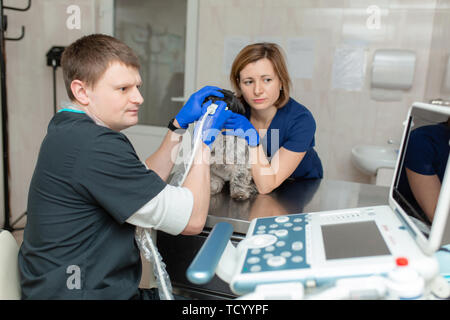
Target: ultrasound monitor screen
(353,240)
(423,160)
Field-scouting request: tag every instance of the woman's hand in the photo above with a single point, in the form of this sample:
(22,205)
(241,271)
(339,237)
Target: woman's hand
(214,122)
(239,126)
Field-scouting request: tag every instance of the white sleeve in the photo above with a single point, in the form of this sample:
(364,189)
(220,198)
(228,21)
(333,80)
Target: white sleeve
(169,211)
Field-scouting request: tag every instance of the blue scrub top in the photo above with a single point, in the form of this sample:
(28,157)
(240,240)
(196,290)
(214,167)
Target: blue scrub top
(428,150)
(296,128)
(427,154)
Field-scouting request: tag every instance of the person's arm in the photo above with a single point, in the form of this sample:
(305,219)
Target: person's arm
(426,189)
(269,175)
(182,209)
(163,160)
(266,175)
(198,182)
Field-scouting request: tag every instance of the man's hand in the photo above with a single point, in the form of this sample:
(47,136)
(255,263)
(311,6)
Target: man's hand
(214,122)
(192,110)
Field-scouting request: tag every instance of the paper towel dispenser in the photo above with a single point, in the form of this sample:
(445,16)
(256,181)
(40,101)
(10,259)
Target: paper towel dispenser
(393,69)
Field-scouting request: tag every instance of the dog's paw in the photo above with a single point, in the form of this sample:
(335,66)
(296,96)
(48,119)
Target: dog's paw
(239,193)
(216,185)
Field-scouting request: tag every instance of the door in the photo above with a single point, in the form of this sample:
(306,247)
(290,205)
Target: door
(164,35)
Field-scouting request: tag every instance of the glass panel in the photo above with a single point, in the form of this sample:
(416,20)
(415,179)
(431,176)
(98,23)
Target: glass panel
(156,31)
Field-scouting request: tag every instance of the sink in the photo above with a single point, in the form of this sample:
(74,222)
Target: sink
(369,158)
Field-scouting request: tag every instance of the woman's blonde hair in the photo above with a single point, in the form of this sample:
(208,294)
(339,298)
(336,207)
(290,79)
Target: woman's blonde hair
(255,52)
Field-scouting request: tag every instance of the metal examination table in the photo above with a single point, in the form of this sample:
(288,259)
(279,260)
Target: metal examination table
(301,196)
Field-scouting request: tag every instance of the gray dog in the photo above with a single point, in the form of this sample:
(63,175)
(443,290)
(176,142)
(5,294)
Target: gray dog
(230,158)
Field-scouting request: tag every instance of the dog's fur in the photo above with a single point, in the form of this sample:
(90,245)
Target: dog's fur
(230,159)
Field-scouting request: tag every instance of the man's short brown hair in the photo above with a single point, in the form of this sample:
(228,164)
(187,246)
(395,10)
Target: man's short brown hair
(88,58)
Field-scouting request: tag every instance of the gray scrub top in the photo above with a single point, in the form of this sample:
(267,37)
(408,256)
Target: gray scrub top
(88,180)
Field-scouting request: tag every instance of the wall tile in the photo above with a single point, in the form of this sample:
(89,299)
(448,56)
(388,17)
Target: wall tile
(343,118)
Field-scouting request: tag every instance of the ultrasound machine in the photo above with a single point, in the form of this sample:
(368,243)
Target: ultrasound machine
(379,252)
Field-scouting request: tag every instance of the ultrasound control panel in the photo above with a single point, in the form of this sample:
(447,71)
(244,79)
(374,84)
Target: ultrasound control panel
(276,243)
(272,244)
(315,249)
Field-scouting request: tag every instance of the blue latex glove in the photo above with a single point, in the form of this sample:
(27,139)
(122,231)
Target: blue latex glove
(192,110)
(214,122)
(239,126)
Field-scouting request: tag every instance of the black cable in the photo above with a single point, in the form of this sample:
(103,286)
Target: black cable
(54,86)
(4,121)
(54,55)
(4,106)
(17,220)
(444,249)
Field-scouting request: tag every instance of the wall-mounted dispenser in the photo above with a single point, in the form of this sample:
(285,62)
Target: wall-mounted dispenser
(392,73)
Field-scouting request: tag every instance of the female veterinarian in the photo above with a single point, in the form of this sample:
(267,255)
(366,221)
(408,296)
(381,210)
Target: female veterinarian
(279,130)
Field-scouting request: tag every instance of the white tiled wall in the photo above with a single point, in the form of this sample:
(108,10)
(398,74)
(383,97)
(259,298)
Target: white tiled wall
(344,118)
(439,53)
(30,83)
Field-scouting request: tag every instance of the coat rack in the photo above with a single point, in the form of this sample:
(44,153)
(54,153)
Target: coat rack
(3,38)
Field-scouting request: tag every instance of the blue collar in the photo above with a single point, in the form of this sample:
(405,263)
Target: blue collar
(71,110)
